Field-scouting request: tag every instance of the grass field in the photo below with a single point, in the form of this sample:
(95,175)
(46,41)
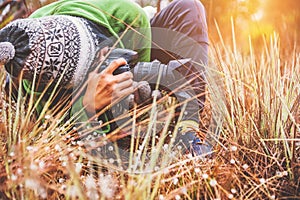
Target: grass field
(254,113)
(252,117)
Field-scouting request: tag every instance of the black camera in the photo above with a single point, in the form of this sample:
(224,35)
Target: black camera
(152,72)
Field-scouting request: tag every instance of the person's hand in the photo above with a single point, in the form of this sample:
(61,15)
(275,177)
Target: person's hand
(104,88)
(143,95)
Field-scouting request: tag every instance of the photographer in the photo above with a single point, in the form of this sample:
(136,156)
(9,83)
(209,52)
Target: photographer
(178,31)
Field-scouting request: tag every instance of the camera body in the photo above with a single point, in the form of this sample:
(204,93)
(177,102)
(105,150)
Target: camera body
(129,55)
(153,72)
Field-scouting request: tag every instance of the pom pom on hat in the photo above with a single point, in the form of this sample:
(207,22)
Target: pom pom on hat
(7,52)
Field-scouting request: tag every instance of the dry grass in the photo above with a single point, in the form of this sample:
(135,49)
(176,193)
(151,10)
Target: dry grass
(254,101)
(252,117)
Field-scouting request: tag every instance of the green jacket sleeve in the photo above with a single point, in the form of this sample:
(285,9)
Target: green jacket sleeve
(82,117)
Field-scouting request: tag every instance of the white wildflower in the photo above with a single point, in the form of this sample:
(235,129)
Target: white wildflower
(173,154)
(205,176)
(90,183)
(42,164)
(175,181)
(165,147)
(42,193)
(31,148)
(230,196)
(57,148)
(166,171)
(161,197)
(72,191)
(110,148)
(63,187)
(45,141)
(64,164)
(36,187)
(177,197)
(78,167)
(93,144)
(233,148)
(262,180)
(190,156)
(33,167)
(19,171)
(107,186)
(213,182)
(93,195)
(61,180)
(13,177)
(197,170)
(245,166)
(184,190)
(80,143)
(63,158)
(232,161)
(233,191)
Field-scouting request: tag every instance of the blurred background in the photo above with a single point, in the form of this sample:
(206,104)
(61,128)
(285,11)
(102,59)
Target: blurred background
(255,19)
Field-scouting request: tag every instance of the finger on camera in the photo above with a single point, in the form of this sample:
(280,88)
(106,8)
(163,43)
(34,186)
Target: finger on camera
(125,84)
(124,76)
(114,65)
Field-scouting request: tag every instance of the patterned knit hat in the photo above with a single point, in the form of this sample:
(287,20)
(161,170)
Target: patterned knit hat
(50,47)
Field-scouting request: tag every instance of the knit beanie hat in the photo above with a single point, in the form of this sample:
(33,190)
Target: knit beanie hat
(51,47)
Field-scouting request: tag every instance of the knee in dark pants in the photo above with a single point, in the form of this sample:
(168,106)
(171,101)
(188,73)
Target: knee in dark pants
(180,12)
(191,5)
(176,26)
